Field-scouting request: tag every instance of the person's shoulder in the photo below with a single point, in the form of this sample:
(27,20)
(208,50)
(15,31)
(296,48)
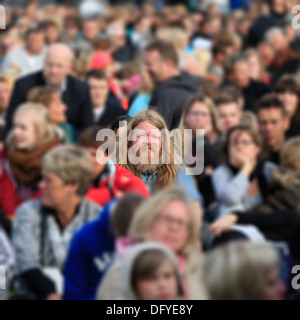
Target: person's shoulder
(86,231)
(29,209)
(14,53)
(29,79)
(221,169)
(76,82)
(122,172)
(90,207)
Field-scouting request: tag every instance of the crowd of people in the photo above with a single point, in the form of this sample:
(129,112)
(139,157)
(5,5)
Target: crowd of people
(208,89)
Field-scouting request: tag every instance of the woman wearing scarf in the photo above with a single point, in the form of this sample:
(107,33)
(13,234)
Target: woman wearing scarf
(20,162)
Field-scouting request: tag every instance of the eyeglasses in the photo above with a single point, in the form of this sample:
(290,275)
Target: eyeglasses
(199,114)
(242,142)
(167,219)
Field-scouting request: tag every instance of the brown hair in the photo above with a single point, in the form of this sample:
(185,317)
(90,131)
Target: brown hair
(270,101)
(166,50)
(41,95)
(147,263)
(225,97)
(88,138)
(124,211)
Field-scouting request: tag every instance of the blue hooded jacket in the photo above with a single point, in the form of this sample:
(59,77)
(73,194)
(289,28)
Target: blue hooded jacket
(91,252)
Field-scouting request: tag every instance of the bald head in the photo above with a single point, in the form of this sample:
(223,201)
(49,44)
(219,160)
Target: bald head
(58,64)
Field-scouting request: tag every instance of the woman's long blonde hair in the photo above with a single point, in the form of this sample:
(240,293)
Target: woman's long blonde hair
(288,174)
(166,171)
(45,131)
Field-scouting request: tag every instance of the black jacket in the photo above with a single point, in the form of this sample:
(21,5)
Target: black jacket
(113,110)
(170,97)
(251,94)
(76,97)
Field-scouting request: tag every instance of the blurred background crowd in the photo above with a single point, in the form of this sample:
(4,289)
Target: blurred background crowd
(72,227)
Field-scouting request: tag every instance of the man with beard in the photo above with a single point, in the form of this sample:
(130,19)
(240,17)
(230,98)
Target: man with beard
(147,153)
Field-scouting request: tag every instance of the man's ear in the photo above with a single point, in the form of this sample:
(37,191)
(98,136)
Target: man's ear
(169,63)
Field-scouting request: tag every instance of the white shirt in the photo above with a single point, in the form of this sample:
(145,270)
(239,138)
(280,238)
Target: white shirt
(98,114)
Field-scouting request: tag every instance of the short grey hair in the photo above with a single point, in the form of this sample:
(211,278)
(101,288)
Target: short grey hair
(71,164)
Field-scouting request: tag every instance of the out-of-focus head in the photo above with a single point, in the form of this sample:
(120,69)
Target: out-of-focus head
(200,113)
(267,53)
(288,173)
(150,271)
(99,87)
(100,150)
(278,7)
(211,25)
(273,120)
(168,217)
(49,97)
(52,29)
(116,34)
(278,39)
(123,212)
(160,60)
(35,40)
(90,28)
(58,64)
(31,126)
(67,172)
(228,110)
(244,140)
(288,90)
(237,70)
(243,270)
(6,87)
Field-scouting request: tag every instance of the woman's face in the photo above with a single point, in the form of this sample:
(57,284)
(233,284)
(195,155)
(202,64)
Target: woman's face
(242,143)
(55,192)
(290,101)
(272,287)
(172,226)
(199,117)
(24,132)
(161,285)
(57,110)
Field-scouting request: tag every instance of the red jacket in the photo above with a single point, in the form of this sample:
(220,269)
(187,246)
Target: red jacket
(116,179)
(9,198)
